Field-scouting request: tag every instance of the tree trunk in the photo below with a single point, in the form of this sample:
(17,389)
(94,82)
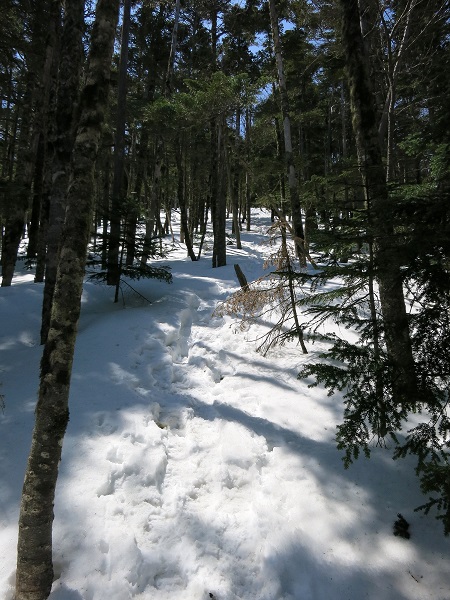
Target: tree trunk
(218,194)
(18,204)
(39,57)
(37,197)
(117,199)
(248,196)
(60,148)
(387,256)
(235,181)
(181,194)
(34,574)
(173,47)
(153,203)
(297,224)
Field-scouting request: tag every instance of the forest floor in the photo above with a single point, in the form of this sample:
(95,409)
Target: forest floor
(195,468)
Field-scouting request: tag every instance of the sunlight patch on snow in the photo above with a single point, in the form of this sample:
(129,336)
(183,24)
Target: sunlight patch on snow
(193,465)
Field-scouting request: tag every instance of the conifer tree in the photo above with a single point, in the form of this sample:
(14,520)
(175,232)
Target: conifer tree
(295,208)
(33,107)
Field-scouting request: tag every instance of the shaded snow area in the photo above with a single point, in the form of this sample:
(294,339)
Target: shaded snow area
(195,468)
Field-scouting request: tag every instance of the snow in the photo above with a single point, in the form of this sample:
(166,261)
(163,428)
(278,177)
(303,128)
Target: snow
(195,468)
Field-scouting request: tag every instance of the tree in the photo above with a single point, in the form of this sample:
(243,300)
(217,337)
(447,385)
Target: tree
(34,104)
(34,574)
(61,145)
(388,256)
(217,141)
(295,207)
(400,363)
(118,188)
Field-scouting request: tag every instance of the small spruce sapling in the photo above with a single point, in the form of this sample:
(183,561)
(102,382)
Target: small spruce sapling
(273,294)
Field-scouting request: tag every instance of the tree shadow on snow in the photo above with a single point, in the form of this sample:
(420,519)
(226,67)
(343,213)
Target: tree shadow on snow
(287,570)
(363,502)
(62,592)
(369,494)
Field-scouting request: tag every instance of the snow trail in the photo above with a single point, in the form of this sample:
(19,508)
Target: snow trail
(195,468)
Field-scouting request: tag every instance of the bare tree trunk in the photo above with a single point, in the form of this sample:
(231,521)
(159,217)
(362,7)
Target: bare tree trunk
(217,175)
(173,46)
(62,145)
(299,236)
(387,256)
(153,203)
(248,198)
(44,126)
(27,145)
(34,574)
(117,199)
(235,181)
(181,194)
(218,193)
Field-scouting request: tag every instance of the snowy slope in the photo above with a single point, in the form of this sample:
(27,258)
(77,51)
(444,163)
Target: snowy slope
(195,468)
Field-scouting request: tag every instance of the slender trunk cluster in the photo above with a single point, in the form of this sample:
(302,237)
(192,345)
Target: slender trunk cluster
(34,560)
(61,145)
(218,193)
(118,191)
(295,207)
(33,107)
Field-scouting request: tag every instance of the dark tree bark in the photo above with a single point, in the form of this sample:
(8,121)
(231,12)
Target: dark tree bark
(34,574)
(117,199)
(38,230)
(248,193)
(218,193)
(173,47)
(37,199)
(61,145)
(44,125)
(153,204)
(235,181)
(27,145)
(387,256)
(296,212)
(182,202)
(217,174)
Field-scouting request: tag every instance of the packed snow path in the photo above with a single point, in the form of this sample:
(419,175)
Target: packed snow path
(194,468)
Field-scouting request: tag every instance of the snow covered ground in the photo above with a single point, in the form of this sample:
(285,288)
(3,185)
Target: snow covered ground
(194,468)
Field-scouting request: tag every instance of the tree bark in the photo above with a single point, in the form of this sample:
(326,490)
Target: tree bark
(297,223)
(248,194)
(387,256)
(217,175)
(218,193)
(34,574)
(235,181)
(153,204)
(60,148)
(181,194)
(27,145)
(173,47)
(117,199)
